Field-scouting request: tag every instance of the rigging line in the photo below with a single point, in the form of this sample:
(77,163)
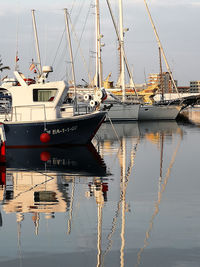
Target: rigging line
(32,187)
(63,57)
(79,41)
(79,13)
(160,45)
(58,47)
(157,204)
(72,6)
(113,128)
(113,228)
(84,25)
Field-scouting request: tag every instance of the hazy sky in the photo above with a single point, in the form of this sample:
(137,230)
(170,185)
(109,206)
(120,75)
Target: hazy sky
(177,23)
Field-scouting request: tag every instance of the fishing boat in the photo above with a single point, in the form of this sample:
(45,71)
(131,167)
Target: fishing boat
(41,112)
(40,115)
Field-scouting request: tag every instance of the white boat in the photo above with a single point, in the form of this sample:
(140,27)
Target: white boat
(159,112)
(145,111)
(162,110)
(118,110)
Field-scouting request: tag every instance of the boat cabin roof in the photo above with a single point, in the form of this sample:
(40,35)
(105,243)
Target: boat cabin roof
(50,94)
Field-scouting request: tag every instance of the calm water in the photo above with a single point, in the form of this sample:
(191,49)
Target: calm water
(131,199)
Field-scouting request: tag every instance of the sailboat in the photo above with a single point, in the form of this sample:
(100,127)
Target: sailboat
(41,115)
(146,111)
(117,110)
(162,110)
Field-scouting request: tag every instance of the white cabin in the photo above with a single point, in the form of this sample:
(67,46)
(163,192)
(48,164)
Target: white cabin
(39,101)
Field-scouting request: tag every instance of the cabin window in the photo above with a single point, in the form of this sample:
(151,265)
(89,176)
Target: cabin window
(44,95)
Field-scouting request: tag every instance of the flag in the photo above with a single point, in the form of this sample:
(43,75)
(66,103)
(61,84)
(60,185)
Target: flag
(32,66)
(16,59)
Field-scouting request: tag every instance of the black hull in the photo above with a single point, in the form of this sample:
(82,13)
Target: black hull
(78,130)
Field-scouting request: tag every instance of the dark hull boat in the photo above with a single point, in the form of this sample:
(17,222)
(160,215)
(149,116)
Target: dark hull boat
(76,130)
(42,118)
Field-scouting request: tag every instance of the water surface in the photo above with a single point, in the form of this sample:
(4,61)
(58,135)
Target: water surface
(130,199)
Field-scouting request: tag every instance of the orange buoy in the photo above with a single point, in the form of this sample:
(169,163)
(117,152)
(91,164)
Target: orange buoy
(45,137)
(45,156)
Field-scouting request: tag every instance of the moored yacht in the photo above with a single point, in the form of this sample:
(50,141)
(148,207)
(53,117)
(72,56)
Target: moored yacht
(159,112)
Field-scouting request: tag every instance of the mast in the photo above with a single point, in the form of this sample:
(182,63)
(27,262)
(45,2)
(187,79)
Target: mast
(122,50)
(36,42)
(17,41)
(98,48)
(161,76)
(71,54)
(161,48)
(132,84)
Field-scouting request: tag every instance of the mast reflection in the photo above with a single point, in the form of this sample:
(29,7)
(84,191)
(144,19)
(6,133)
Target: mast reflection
(162,183)
(134,133)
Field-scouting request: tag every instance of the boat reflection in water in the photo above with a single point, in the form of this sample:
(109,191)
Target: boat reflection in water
(130,135)
(192,114)
(38,181)
(72,160)
(118,219)
(110,134)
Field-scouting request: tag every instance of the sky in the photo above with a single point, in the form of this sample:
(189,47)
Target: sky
(177,23)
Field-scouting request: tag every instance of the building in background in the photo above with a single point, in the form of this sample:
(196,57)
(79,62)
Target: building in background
(183,89)
(195,87)
(167,81)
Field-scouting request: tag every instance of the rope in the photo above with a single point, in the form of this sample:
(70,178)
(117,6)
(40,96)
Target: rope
(58,47)
(113,128)
(79,41)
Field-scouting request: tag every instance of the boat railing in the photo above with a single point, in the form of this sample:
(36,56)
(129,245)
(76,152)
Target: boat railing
(26,112)
(83,109)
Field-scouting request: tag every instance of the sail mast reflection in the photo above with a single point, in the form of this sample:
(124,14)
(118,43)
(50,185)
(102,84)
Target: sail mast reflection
(71,207)
(161,189)
(125,175)
(123,197)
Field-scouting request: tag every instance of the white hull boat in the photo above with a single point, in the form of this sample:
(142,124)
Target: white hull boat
(159,112)
(123,112)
